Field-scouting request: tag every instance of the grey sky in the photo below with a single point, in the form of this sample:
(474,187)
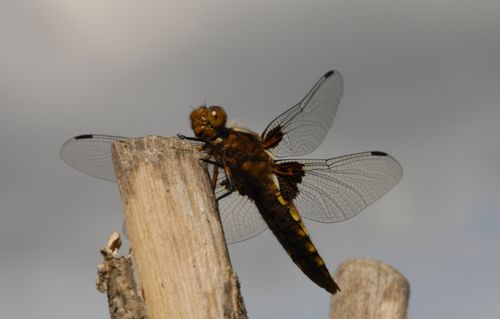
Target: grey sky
(421,83)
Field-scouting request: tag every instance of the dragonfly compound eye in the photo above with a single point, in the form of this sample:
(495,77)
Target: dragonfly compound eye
(217,116)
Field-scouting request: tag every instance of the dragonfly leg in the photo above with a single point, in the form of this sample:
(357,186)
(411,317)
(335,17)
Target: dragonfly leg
(215,175)
(224,195)
(190,138)
(228,183)
(217,164)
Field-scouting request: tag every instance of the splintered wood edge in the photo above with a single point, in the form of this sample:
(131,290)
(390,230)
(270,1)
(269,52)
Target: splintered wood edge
(153,150)
(115,277)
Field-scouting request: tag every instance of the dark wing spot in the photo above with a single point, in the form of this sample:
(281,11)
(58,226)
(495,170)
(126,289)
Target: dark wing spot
(328,74)
(273,138)
(378,153)
(289,175)
(84,137)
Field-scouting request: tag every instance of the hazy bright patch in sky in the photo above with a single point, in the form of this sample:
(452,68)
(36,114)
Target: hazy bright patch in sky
(421,83)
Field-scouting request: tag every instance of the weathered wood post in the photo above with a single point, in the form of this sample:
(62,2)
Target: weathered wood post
(174,230)
(115,277)
(370,290)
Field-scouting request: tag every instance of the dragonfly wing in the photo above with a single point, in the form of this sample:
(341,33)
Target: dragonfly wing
(240,217)
(91,154)
(337,189)
(302,128)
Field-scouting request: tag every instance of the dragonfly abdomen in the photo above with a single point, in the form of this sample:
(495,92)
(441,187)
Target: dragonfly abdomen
(285,222)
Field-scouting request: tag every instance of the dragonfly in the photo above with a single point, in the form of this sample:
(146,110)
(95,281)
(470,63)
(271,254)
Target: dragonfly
(263,185)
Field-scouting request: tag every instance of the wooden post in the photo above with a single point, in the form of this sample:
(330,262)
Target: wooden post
(115,277)
(370,290)
(174,231)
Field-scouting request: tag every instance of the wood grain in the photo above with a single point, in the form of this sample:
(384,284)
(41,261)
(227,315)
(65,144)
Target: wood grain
(369,290)
(175,231)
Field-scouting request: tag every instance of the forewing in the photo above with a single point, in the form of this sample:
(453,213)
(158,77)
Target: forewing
(91,154)
(337,189)
(240,217)
(302,128)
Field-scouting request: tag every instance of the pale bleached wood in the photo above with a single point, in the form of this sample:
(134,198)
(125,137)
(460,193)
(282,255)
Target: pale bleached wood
(174,230)
(369,290)
(116,279)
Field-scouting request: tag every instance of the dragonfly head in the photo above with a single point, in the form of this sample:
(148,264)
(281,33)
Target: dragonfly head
(208,122)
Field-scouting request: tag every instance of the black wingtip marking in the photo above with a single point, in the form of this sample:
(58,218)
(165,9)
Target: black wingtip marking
(84,137)
(378,153)
(328,74)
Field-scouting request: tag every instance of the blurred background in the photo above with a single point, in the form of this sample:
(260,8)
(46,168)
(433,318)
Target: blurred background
(421,83)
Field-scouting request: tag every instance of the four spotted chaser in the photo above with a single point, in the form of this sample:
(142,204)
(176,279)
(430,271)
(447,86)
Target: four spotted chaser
(260,186)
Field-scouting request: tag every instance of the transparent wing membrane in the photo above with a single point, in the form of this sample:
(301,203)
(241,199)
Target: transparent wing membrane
(240,218)
(337,189)
(302,128)
(91,154)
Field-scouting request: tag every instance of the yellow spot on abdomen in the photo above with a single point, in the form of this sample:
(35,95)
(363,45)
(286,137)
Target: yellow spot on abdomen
(281,199)
(304,228)
(310,247)
(301,233)
(319,261)
(295,214)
